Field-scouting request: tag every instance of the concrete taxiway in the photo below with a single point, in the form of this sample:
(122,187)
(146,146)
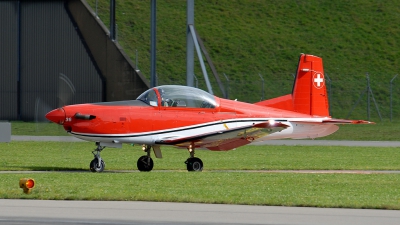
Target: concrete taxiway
(35,212)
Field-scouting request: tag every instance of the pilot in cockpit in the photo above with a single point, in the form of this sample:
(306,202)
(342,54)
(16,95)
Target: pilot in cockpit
(165,101)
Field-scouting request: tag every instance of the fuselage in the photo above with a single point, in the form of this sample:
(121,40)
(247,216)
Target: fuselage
(137,122)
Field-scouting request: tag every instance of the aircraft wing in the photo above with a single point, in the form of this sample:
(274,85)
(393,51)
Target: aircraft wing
(327,120)
(342,121)
(228,139)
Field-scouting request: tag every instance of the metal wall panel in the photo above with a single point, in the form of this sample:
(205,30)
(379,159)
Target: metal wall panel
(57,69)
(8,60)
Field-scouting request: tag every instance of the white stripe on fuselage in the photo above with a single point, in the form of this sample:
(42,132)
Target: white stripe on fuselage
(294,130)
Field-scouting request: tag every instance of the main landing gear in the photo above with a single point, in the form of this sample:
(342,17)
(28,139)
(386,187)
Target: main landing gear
(97,164)
(193,163)
(145,163)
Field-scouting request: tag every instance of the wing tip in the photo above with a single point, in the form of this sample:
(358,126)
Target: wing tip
(343,121)
(362,122)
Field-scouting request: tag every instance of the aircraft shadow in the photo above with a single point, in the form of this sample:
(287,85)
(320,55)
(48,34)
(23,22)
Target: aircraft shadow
(49,169)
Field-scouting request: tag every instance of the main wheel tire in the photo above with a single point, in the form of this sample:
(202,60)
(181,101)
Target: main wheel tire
(95,167)
(145,163)
(194,164)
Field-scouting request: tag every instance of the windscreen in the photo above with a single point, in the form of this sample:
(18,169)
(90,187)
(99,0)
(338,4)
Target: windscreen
(184,96)
(149,97)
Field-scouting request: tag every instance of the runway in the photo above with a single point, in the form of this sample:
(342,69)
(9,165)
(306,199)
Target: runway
(36,212)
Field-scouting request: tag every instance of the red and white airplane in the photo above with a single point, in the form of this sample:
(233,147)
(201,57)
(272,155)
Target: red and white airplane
(189,118)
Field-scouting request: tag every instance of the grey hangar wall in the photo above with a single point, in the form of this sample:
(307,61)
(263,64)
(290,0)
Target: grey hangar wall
(54,53)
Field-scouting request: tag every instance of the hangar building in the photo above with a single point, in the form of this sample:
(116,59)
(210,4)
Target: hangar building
(57,52)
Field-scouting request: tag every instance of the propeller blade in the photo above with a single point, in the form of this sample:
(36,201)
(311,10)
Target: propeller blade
(66,90)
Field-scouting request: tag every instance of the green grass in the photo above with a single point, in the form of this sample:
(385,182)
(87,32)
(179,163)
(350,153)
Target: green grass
(314,190)
(381,131)
(246,38)
(37,129)
(222,181)
(76,156)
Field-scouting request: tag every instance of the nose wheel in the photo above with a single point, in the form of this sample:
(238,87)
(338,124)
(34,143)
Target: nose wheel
(97,164)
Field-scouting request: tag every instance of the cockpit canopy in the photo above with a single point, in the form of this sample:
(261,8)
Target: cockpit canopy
(178,96)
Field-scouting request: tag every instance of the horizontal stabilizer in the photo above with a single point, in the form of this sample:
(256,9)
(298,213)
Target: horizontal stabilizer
(283,102)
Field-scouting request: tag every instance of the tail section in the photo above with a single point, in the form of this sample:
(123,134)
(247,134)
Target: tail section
(309,90)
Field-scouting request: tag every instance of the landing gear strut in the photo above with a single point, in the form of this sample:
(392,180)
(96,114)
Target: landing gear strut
(193,163)
(145,163)
(97,164)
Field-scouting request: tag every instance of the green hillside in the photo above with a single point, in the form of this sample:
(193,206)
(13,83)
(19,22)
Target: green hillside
(247,39)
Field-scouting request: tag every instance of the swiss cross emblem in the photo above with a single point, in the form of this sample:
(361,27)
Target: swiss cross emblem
(318,80)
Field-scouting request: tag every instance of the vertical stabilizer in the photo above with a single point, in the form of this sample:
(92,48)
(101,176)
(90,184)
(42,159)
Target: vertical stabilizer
(309,90)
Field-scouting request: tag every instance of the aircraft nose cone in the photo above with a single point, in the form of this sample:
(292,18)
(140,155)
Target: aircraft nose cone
(56,116)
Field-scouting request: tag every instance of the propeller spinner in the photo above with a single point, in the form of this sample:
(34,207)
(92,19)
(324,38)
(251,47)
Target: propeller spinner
(56,116)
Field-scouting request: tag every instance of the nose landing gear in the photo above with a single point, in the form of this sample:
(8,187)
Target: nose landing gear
(97,164)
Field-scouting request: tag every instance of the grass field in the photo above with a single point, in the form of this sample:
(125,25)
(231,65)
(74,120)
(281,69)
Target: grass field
(317,190)
(222,181)
(76,157)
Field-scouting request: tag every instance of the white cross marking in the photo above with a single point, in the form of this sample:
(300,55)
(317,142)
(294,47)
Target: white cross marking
(318,80)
